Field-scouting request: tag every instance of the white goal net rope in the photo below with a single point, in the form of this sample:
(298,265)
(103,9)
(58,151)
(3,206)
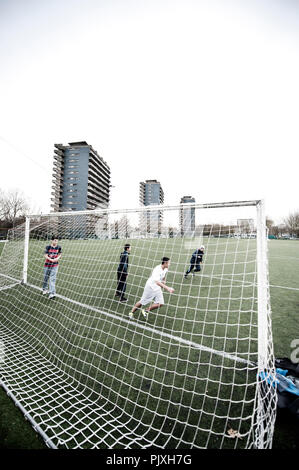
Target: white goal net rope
(197,373)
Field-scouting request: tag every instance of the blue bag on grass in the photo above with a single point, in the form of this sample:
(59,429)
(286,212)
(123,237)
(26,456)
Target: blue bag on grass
(287,387)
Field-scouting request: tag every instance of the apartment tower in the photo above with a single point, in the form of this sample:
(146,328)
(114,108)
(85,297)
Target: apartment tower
(81,178)
(151,193)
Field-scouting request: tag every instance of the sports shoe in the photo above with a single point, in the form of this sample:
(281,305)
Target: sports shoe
(131,315)
(144,313)
(45,292)
(123,299)
(52,296)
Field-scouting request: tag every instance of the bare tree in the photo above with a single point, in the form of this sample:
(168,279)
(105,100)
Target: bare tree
(292,223)
(274,230)
(13,205)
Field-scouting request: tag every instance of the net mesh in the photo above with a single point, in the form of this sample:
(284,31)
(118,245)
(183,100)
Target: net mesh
(89,376)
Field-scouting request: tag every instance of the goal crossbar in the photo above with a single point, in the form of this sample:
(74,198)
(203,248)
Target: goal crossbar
(152,207)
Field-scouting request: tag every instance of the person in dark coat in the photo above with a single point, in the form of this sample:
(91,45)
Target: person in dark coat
(122,273)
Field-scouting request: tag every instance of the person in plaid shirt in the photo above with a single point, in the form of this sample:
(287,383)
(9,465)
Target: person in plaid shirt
(52,256)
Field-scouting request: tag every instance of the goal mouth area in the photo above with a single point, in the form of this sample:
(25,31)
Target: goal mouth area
(88,376)
(158,408)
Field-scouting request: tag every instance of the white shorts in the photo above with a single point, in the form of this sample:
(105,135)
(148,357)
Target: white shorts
(149,294)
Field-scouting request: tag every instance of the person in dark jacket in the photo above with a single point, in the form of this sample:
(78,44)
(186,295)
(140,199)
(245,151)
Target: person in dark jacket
(122,273)
(195,261)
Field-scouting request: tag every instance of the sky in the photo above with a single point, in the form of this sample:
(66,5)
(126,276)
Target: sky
(201,95)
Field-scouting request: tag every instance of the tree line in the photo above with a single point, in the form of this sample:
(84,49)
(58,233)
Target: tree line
(290,226)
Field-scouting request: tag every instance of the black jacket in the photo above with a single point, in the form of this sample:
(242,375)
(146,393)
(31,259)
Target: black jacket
(197,257)
(124,262)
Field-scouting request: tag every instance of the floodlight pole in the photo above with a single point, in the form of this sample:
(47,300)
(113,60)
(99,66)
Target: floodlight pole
(26,249)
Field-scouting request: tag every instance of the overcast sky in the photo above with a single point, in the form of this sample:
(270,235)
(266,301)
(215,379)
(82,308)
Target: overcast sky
(200,95)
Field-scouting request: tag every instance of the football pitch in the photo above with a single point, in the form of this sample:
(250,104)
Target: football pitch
(86,334)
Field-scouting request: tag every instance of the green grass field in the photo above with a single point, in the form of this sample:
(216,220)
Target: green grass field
(149,369)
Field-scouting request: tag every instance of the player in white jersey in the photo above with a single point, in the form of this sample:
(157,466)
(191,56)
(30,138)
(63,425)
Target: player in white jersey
(153,289)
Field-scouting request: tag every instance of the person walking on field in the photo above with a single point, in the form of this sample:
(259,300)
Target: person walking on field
(52,256)
(153,289)
(122,273)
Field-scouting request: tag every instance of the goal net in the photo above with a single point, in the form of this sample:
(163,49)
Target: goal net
(197,373)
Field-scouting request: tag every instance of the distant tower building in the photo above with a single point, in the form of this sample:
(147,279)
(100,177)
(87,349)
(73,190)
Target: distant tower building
(151,193)
(187,217)
(81,178)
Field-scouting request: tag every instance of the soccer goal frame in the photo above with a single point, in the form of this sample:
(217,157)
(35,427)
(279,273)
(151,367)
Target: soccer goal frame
(263,417)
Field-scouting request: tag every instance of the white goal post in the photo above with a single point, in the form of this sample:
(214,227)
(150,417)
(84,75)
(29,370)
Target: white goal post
(197,373)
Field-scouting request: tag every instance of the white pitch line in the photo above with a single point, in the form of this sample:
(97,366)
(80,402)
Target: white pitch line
(9,287)
(284,287)
(12,278)
(230,279)
(246,283)
(152,330)
(145,327)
